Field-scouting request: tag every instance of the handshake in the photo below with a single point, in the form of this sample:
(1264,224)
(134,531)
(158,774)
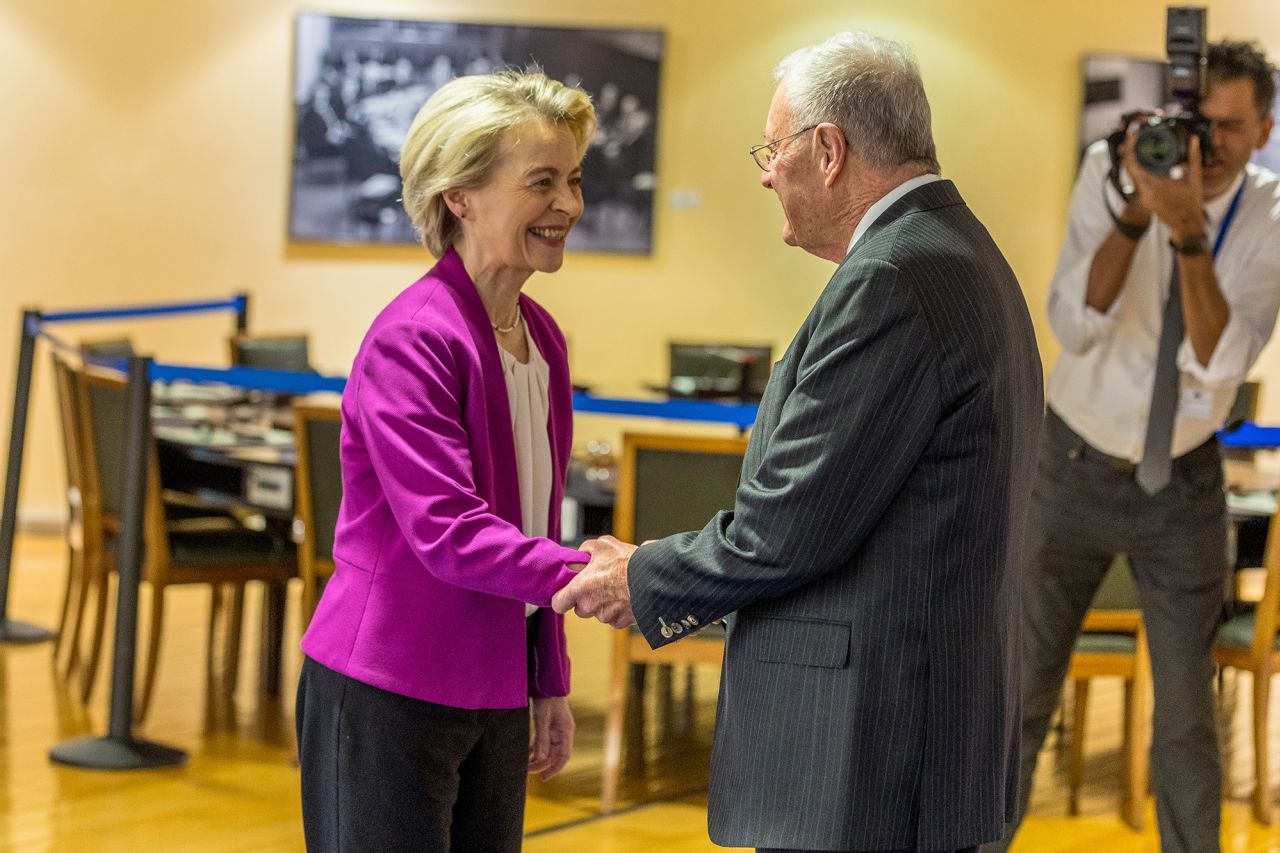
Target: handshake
(600,590)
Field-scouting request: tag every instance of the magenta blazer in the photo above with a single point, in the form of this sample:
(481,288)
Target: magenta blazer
(432,570)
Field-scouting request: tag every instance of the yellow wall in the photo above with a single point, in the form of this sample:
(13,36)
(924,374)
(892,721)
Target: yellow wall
(145,149)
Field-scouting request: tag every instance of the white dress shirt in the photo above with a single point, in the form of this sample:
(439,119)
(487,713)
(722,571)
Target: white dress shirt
(527,385)
(886,201)
(1101,384)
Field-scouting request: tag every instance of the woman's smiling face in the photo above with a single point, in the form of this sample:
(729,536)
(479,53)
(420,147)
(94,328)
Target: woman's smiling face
(518,221)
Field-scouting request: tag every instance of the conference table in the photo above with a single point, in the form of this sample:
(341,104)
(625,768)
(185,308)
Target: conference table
(228,450)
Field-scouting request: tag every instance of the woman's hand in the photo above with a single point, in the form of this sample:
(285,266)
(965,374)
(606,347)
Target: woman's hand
(550,735)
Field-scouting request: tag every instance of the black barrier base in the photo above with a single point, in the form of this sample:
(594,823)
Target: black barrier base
(109,753)
(13,631)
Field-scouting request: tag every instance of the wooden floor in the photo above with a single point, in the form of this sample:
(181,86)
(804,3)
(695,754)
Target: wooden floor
(238,792)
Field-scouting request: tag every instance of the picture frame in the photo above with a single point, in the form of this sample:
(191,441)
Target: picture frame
(359,82)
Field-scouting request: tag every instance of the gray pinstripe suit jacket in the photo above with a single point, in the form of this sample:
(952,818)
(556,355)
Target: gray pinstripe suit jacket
(869,697)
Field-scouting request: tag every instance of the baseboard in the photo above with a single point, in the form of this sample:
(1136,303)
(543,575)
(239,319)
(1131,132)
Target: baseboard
(42,521)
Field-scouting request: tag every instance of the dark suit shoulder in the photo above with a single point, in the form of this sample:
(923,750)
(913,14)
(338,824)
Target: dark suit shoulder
(868,295)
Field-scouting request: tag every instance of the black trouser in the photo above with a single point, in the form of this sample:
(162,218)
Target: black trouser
(385,772)
(1085,509)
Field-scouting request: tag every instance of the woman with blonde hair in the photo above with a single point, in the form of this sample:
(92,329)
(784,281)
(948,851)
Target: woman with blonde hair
(435,673)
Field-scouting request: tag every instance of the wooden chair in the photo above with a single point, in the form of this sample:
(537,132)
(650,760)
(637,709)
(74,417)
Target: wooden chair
(318,481)
(66,649)
(1113,642)
(1249,642)
(274,352)
(176,550)
(666,484)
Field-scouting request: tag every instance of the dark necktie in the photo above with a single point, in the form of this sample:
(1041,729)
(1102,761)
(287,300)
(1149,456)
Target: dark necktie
(1156,465)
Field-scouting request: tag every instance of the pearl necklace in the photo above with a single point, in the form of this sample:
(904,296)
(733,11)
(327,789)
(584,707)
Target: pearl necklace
(505,329)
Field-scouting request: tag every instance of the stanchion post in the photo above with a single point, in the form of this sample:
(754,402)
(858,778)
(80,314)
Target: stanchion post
(242,315)
(12,631)
(119,750)
(130,548)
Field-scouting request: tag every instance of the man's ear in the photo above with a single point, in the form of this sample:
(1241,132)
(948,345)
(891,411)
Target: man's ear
(1264,133)
(833,152)
(456,200)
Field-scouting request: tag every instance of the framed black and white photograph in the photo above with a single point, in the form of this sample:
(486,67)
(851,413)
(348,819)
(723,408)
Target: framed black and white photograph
(358,83)
(1115,85)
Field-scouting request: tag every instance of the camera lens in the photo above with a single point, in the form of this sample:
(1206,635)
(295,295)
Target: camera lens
(1159,148)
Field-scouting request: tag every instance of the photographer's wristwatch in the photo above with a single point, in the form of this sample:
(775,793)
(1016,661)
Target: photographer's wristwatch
(1197,245)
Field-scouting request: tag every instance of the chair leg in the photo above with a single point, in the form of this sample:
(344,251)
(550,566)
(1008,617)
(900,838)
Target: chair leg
(274,596)
(66,648)
(1134,761)
(690,701)
(1137,738)
(100,581)
(615,709)
(1075,764)
(143,702)
(1261,752)
(664,699)
(234,627)
(633,720)
(216,618)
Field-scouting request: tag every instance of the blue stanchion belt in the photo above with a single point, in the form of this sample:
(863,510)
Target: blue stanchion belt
(256,378)
(741,415)
(1251,435)
(235,303)
(708,411)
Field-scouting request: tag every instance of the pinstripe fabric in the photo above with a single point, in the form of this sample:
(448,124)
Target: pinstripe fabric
(869,697)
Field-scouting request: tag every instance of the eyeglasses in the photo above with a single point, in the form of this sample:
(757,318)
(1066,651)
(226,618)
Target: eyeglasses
(764,154)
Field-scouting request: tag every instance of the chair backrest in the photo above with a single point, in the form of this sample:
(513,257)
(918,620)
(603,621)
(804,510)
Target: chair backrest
(1266,619)
(1243,408)
(111,349)
(274,352)
(1245,405)
(317,430)
(65,384)
(103,420)
(1117,590)
(1115,608)
(673,483)
(318,482)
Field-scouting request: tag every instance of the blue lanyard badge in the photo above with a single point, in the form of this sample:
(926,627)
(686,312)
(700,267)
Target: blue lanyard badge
(1228,217)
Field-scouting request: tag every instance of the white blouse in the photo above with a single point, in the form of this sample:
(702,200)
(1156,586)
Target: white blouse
(527,399)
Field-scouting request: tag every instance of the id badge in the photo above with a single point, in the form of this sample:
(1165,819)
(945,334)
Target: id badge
(1195,403)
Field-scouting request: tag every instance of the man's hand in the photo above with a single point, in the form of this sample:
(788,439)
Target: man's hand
(600,590)
(550,735)
(1177,202)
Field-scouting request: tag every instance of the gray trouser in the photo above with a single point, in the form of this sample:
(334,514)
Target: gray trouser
(1085,509)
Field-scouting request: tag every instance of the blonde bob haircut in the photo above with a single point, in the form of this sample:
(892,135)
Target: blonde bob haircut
(456,140)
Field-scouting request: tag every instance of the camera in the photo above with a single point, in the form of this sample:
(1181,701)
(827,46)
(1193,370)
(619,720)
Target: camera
(1162,140)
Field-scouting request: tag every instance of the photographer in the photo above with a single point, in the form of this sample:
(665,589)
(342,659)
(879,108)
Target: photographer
(1129,461)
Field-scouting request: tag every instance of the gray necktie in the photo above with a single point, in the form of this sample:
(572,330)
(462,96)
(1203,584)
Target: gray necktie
(1156,465)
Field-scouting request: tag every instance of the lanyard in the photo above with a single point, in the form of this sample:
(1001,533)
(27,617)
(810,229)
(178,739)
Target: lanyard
(1228,217)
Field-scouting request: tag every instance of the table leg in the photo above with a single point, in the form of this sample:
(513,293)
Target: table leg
(271,652)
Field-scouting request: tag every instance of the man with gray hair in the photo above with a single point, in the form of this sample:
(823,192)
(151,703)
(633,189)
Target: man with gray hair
(868,699)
